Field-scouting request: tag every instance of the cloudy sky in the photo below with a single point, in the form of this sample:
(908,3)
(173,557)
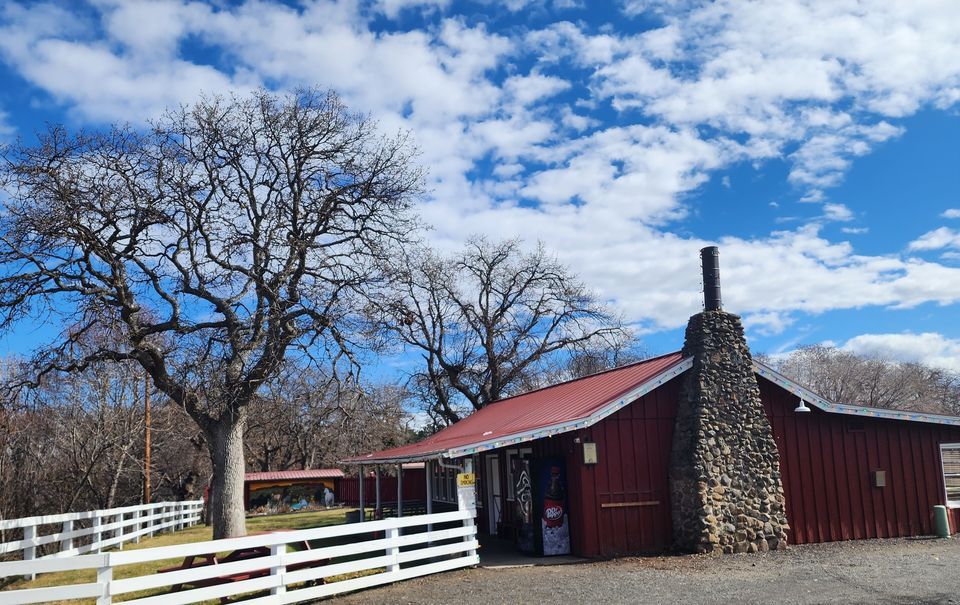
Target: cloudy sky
(816,142)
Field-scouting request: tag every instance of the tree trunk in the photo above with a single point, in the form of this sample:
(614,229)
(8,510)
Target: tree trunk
(226,489)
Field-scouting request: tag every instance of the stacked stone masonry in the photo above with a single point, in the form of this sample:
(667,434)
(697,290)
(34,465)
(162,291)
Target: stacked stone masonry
(726,489)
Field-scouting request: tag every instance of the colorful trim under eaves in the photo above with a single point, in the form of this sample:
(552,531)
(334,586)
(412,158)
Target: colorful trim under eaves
(606,410)
(843,408)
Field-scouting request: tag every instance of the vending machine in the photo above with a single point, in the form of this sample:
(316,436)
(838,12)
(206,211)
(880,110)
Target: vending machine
(551,505)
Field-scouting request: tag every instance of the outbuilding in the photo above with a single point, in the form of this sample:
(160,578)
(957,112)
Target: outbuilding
(287,489)
(704,449)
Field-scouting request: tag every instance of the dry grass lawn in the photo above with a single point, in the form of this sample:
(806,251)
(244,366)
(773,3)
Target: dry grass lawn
(197,533)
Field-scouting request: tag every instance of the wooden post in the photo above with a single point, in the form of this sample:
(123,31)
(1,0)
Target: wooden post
(104,578)
(119,531)
(66,543)
(97,535)
(146,439)
(278,569)
(362,481)
(150,520)
(399,490)
(136,527)
(393,550)
(30,552)
(466,499)
(379,508)
(428,473)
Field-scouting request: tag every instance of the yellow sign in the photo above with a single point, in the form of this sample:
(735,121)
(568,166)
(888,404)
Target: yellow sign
(466,479)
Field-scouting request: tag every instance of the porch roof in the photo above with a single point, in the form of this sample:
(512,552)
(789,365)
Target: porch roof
(548,411)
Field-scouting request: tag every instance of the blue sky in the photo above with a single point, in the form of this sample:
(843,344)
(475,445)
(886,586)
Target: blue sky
(815,142)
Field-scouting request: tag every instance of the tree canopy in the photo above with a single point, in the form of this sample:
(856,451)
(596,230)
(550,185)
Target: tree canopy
(229,235)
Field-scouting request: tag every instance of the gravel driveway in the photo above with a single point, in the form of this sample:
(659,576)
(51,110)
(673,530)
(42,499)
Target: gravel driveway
(910,570)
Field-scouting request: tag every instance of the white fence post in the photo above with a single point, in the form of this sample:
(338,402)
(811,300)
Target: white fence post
(279,569)
(66,543)
(467,496)
(104,578)
(393,550)
(150,520)
(136,527)
(30,552)
(118,533)
(97,535)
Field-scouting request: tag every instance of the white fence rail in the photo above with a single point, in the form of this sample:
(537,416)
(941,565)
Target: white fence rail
(70,534)
(280,567)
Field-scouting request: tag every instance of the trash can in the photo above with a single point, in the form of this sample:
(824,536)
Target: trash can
(941,525)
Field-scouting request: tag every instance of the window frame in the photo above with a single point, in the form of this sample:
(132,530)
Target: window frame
(943,474)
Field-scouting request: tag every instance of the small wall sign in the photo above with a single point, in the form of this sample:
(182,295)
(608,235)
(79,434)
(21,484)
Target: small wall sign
(466,479)
(589,453)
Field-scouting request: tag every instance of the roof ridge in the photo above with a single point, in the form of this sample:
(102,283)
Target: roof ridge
(579,378)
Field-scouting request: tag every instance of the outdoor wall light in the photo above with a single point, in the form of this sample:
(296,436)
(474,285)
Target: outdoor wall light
(802,407)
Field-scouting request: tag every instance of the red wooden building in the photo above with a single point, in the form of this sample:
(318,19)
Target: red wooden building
(593,460)
(829,459)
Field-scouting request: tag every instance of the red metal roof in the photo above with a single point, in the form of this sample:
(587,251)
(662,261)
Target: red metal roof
(554,409)
(316,473)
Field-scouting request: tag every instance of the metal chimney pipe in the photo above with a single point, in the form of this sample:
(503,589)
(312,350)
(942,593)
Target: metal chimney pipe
(710,261)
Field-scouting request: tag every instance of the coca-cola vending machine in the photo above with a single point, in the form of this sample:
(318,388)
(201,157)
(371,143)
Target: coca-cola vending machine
(554,521)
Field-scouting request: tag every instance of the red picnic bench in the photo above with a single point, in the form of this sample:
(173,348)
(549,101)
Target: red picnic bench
(241,554)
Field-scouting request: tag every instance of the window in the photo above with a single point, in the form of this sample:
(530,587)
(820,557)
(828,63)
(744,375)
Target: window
(444,488)
(950,459)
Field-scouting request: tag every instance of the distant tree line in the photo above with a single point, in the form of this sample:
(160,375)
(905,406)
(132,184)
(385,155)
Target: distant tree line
(845,377)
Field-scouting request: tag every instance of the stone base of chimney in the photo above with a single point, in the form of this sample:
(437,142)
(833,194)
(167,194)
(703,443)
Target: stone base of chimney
(726,489)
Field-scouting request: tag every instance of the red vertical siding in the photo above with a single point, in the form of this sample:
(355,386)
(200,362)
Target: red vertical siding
(827,461)
(414,488)
(633,451)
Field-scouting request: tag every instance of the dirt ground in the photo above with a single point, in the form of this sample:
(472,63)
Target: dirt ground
(910,570)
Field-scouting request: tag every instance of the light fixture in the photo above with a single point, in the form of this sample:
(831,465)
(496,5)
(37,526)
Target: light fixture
(802,407)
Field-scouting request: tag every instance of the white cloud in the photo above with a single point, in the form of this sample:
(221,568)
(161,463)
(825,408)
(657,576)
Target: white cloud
(768,324)
(929,348)
(716,85)
(393,8)
(944,237)
(951,213)
(837,212)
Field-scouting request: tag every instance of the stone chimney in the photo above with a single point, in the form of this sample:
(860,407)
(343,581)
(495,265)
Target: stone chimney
(726,493)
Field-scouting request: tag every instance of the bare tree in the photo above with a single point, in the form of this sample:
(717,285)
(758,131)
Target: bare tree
(485,319)
(305,419)
(846,377)
(232,234)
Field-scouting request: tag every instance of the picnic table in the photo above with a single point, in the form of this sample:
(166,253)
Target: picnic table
(241,554)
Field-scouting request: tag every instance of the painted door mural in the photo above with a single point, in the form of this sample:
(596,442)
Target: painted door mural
(523,501)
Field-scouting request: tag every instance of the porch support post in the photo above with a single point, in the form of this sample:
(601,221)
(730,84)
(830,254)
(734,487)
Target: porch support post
(362,481)
(428,475)
(400,489)
(378,511)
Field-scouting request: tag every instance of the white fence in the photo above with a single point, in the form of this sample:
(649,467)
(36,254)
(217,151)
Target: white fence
(280,567)
(71,534)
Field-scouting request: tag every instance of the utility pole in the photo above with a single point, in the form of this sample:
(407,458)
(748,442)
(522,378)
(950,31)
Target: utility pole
(146,439)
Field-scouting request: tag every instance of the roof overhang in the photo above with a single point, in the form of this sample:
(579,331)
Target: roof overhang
(825,405)
(602,412)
